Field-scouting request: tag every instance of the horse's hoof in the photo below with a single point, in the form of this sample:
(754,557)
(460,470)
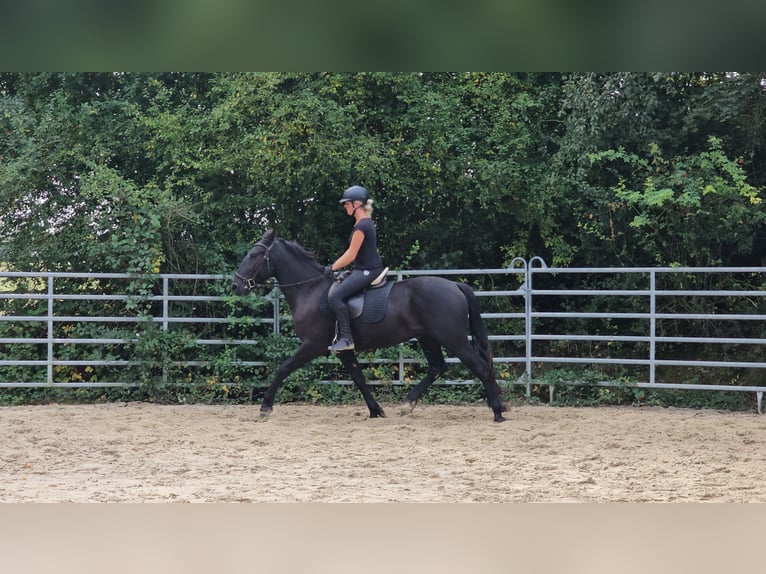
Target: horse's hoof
(406,408)
(377,414)
(499,418)
(265,412)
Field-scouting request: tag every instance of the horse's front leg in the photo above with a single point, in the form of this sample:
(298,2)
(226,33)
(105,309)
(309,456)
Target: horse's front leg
(305,353)
(348,358)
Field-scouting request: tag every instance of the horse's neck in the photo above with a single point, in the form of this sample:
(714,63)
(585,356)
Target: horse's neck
(295,276)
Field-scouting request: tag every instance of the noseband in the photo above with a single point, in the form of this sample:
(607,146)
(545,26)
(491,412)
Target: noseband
(249,282)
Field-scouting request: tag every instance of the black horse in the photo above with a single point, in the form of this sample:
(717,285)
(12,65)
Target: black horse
(432,310)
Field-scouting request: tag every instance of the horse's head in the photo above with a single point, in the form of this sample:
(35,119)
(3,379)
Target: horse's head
(256,267)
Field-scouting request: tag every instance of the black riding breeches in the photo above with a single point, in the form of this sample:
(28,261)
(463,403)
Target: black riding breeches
(352,284)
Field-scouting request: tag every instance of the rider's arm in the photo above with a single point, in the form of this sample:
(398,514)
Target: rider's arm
(357,238)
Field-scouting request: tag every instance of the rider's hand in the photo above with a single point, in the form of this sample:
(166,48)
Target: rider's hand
(328,272)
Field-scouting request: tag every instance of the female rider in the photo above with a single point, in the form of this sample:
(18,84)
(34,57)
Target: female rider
(363,253)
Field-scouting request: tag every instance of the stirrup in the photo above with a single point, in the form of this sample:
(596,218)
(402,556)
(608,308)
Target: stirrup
(340,345)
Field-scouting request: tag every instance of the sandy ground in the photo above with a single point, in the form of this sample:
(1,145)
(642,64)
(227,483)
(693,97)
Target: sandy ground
(139,452)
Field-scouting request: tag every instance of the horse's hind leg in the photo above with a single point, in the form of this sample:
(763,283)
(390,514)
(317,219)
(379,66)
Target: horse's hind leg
(471,359)
(436,367)
(348,358)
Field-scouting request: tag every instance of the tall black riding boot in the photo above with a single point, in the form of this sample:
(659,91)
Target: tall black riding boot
(344,342)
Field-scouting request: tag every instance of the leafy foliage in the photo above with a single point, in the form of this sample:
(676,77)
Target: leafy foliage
(674,202)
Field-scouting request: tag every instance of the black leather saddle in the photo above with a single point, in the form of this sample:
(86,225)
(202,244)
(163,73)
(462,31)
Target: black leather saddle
(367,306)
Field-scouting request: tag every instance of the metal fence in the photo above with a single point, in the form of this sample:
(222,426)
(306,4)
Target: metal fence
(605,319)
(743,306)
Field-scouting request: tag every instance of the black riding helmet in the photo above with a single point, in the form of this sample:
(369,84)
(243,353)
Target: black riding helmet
(355,193)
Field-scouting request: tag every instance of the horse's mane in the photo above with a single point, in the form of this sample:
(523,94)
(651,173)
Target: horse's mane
(302,253)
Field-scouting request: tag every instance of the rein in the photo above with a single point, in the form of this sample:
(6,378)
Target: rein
(250,283)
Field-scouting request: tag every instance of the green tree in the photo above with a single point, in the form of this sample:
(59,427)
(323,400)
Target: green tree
(74,173)
(648,117)
(695,210)
(472,168)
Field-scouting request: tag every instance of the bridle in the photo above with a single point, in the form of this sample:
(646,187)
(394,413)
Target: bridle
(251,284)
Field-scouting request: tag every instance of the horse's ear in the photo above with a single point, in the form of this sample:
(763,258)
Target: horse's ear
(268,237)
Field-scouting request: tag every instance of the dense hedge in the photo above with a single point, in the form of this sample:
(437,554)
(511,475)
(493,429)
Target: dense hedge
(181,172)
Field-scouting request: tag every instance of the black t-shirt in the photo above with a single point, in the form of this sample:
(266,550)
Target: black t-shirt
(368,257)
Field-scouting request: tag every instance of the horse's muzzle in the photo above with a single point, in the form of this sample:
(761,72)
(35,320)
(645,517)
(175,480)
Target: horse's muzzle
(239,288)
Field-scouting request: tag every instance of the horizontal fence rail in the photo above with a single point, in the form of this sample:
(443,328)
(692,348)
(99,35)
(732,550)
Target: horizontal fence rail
(652,321)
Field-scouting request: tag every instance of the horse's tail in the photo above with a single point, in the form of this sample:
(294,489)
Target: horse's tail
(479,331)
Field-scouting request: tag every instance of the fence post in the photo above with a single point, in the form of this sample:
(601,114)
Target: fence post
(400,277)
(275,304)
(165,315)
(652,324)
(50,329)
(530,270)
(165,308)
(524,289)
